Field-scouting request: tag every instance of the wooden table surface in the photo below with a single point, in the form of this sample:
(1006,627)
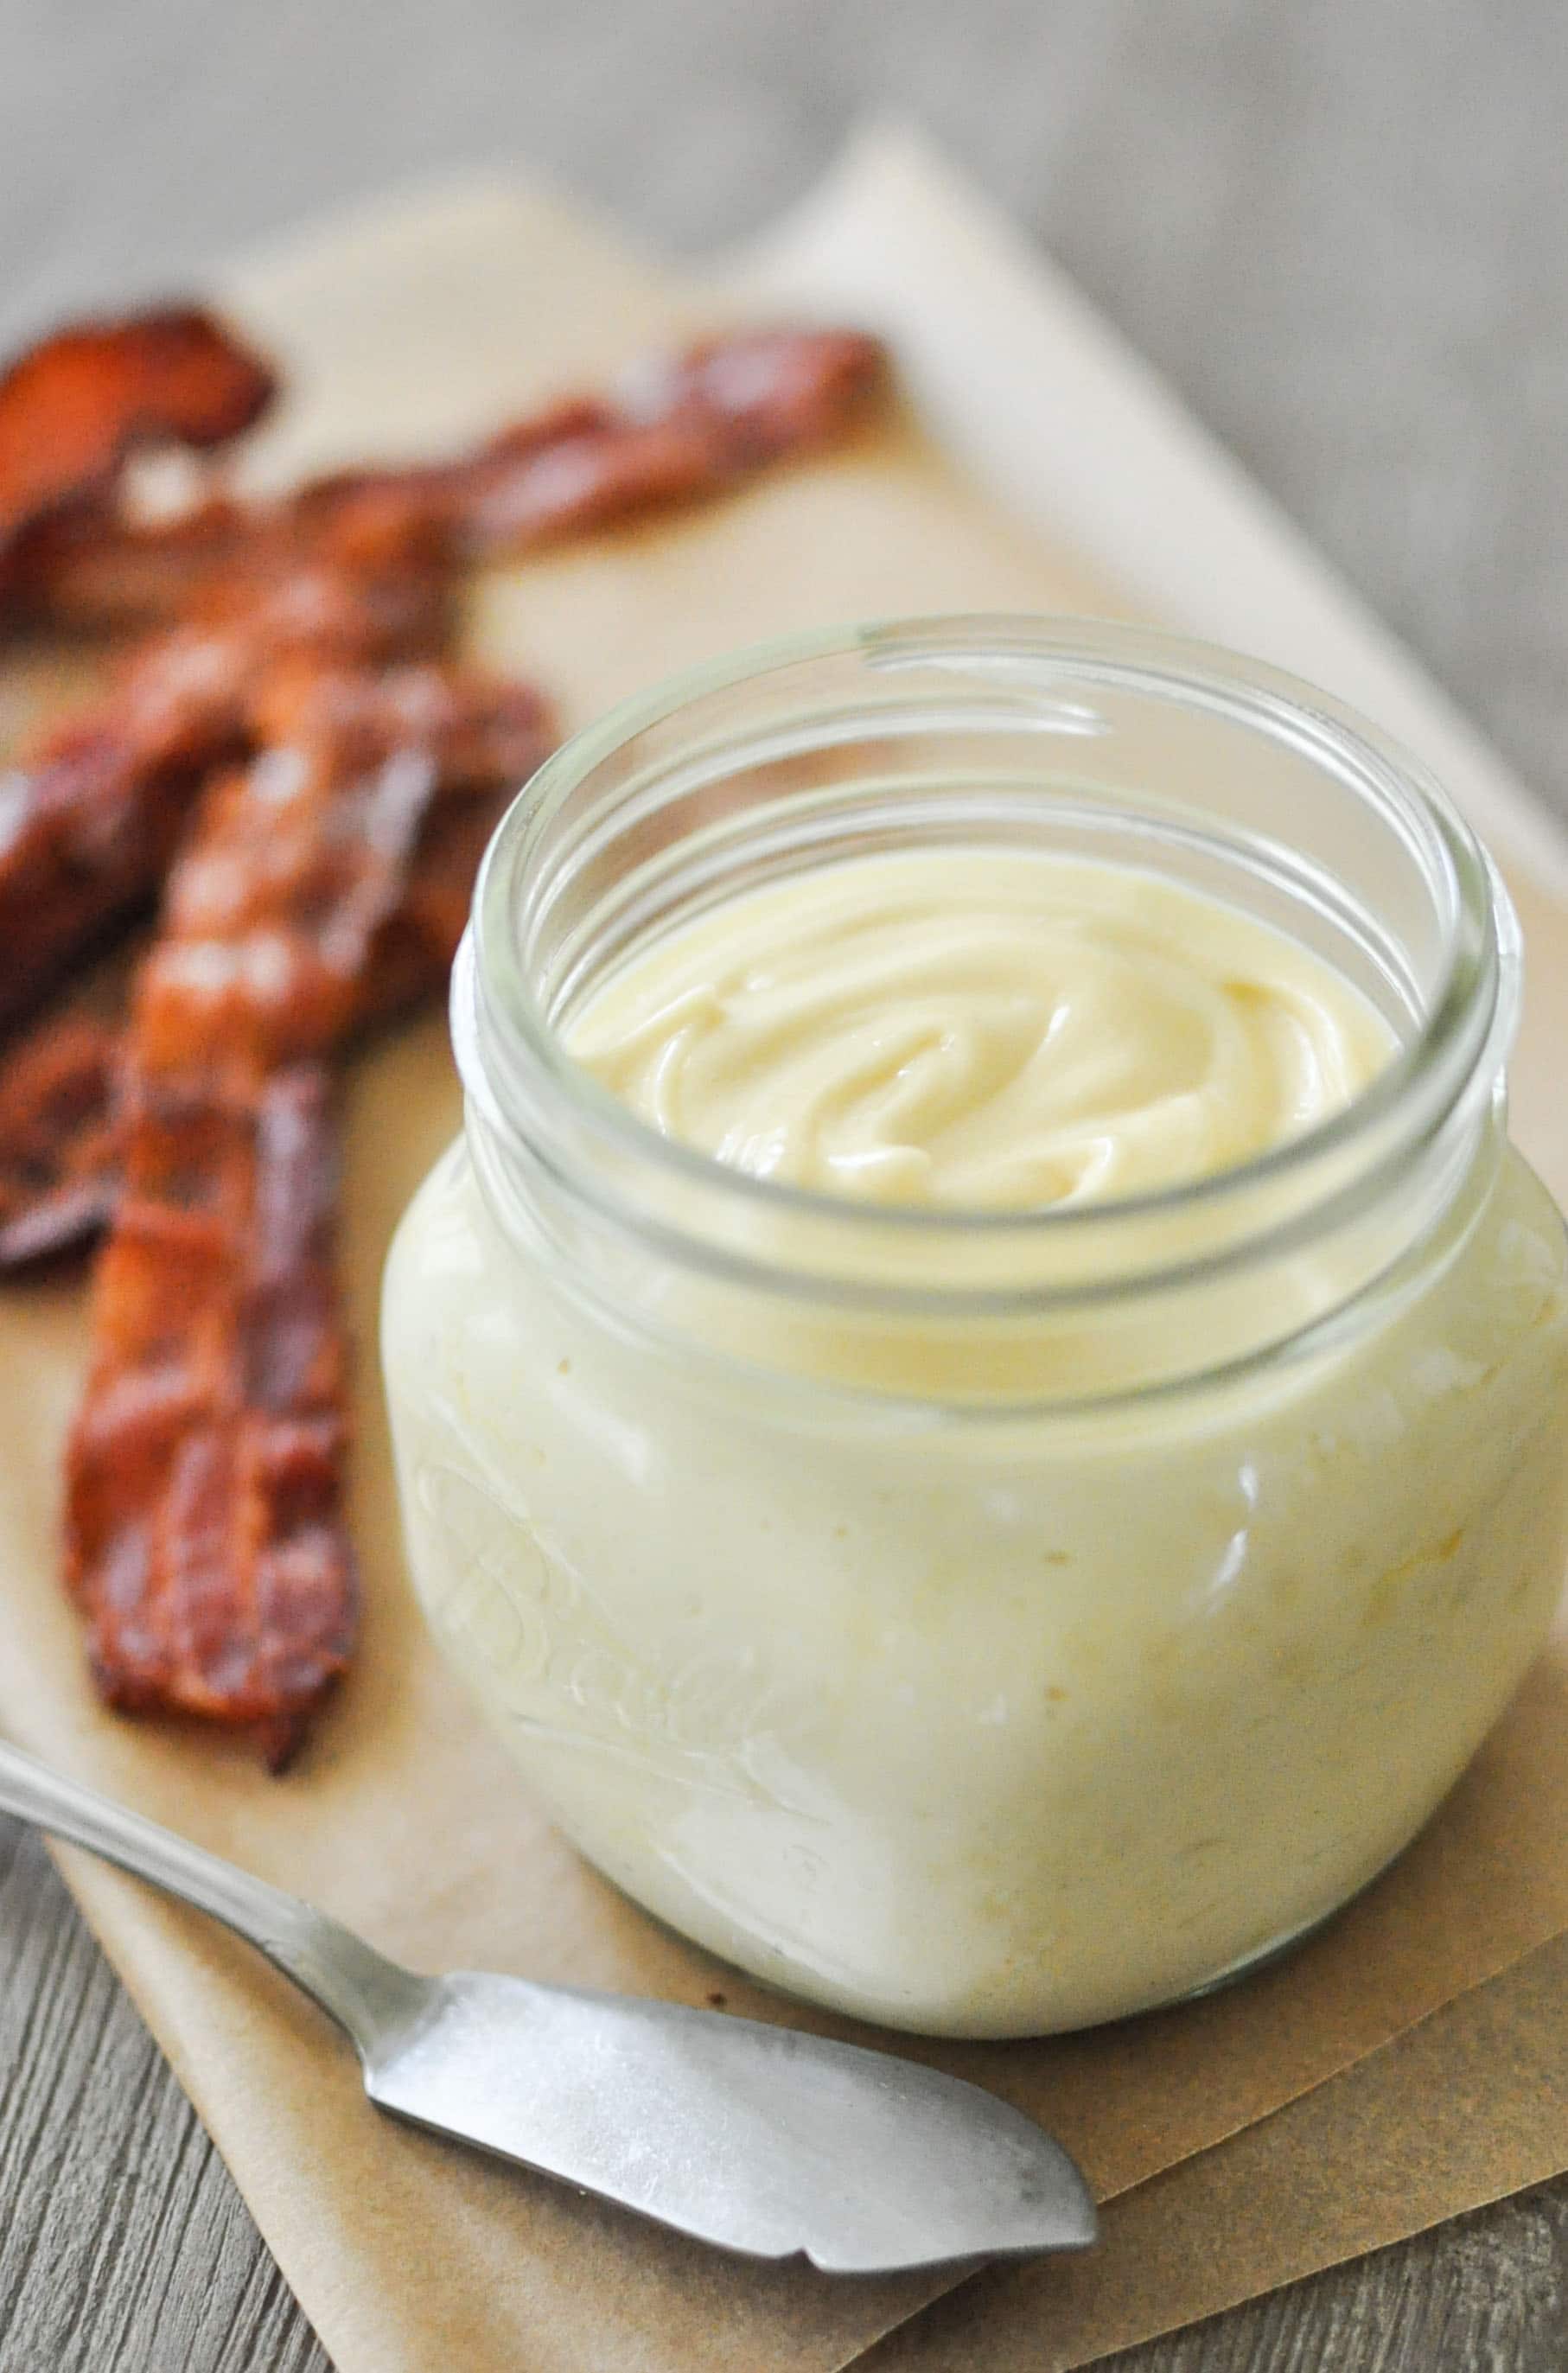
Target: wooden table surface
(1337,229)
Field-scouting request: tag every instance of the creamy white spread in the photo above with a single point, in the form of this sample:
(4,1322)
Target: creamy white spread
(1021,1718)
(977,1028)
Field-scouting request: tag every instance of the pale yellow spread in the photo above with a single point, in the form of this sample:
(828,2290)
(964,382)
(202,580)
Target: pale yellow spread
(979,1028)
(1024,1713)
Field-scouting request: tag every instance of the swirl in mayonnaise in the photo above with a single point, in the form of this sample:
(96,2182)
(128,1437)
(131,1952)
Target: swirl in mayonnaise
(982,1029)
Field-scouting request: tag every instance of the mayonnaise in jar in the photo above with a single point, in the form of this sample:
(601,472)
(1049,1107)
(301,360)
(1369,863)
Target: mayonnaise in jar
(933,1611)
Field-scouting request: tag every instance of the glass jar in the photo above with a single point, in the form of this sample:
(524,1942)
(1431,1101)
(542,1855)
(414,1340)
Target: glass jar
(986,1623)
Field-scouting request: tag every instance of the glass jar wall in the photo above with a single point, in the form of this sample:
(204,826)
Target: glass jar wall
(990,1622)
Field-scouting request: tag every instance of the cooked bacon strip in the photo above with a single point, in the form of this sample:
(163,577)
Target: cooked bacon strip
(687,425)
(205,1540)
(59,1144)
(76,406)
(89,825)
(91,571)
(205,1533)
(412,952)
(379,578)
(277,915)
(60,1164)
(205,1537)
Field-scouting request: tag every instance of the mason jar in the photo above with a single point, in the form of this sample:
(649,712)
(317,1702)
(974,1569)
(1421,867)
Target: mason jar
(986,1622)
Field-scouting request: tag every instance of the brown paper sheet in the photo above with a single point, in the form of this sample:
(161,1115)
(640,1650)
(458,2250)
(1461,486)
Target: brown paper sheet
(405,1820)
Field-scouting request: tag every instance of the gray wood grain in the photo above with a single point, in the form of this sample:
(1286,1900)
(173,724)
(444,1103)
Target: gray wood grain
(1339,230)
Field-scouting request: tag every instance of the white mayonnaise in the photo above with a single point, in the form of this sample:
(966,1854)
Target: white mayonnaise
(886,1668)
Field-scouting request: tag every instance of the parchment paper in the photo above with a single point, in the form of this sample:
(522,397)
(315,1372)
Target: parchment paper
(405,327)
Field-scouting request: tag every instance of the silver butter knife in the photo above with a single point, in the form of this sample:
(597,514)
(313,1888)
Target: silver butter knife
(757,2138)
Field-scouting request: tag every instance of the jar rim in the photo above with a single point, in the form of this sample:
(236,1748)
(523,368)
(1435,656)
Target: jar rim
(1470,1015)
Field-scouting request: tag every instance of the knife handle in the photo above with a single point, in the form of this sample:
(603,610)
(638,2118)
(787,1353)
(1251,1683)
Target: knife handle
(367,1994)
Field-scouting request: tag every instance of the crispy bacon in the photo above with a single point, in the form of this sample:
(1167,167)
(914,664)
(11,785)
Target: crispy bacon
(324,809)
(91,571)
(205,1532)
(76,406)
(412,950)
(380,578)
(277,914)
(204,1526)
(687,425)
(89,826)
(59,1145)
(60,1166)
